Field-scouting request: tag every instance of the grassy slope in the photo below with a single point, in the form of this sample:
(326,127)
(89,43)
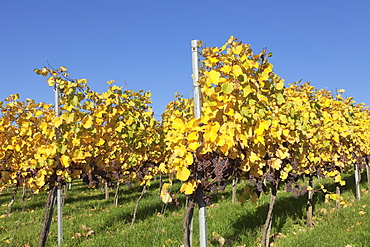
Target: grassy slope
(161,225)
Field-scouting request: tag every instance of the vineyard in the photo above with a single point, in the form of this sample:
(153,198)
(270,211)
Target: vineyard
(245,127)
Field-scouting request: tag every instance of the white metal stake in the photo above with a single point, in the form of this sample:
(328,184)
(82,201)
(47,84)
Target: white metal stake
(357,181)
(195,45)
(59,189)
(60,219)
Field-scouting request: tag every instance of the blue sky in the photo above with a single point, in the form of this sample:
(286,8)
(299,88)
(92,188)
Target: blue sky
(145,44)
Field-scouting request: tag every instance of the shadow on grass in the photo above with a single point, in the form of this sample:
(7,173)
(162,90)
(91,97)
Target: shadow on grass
(249,223)
(286,208)
(149,206)
(78,193)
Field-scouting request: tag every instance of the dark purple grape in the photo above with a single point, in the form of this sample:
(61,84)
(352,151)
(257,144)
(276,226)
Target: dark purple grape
(222,185)
(175,201)
(288,187)
(207,201)
(270,177)
(303,190)
(259,186)
(295,192)
(252,181)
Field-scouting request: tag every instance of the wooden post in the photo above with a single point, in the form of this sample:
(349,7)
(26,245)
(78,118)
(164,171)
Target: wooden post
(106,190)
(309,208)
(188,222)
(235,183)
(337,203)
(116,195)
(368,175)
(265,240)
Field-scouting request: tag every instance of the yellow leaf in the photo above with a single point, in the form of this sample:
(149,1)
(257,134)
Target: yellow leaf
(245,166)
(334,197)
(237,50)
(64,160)
(165,195)
(341,91)
(120,126)
(43,127)
(47,151)
(56,122)
(220,141)
(180,151)
(297,101)
(283,119)
(283,175)
(226,68)
(279,85)
(276,163)
(237,70)
(214,77)
(50,81)
(361,213)
(40,181)
(246,91)
(87,121)
(188,187)
(189,159)
(70,118)
(323,188)
(327,103)
(162,168)
(193,136)
(100,142)
(338,178)
(193,146)
(38,113)
(231,39)
(183,173)
(282,153)
(253,157)
(265,124)
(333,173)
(42,172)
(178,124)
(166,186)
(211,132)
(227,88)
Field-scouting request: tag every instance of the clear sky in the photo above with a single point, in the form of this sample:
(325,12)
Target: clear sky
(145,44)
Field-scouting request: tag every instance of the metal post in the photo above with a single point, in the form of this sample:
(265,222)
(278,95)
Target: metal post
(60,219)
(59,188)
(357,181)
(195,45)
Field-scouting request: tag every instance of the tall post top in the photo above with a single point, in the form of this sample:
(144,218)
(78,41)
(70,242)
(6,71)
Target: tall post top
(196,43)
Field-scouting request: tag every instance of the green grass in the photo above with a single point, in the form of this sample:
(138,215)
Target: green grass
(161,225)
